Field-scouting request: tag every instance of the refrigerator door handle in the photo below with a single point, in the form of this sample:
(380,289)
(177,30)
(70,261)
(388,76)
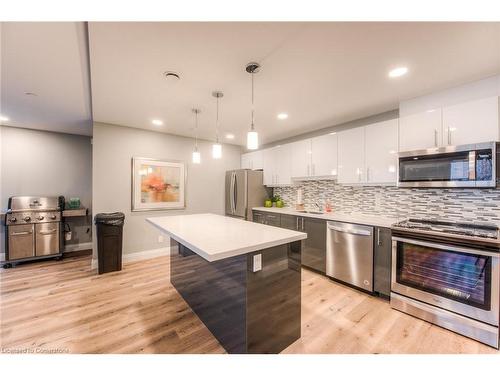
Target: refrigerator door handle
(235,193)
(231,193)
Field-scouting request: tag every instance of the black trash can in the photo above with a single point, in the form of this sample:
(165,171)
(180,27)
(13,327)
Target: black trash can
(109,241)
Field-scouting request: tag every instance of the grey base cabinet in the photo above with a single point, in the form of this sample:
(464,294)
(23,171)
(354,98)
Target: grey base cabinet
(267,218)
(382,261)
(314,249)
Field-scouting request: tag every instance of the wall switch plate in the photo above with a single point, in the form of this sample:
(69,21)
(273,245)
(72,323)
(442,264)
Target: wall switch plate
(160,239)
(257,262)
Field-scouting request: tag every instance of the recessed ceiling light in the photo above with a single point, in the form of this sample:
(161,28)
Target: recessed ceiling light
(4,118)
(157,122)
(30,94)
(229,136)
(333,133)
(282,116)
(398,72)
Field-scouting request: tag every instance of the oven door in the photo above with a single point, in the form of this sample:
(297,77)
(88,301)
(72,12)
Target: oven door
(47,239)
(458,279)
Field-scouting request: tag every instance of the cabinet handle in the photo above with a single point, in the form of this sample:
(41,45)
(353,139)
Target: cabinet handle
(435,137)
(379,242)
(449,135)
(48,231)
(20,233)
(302,224)
(308,170)
(359,174)
(367,173)
(297,224)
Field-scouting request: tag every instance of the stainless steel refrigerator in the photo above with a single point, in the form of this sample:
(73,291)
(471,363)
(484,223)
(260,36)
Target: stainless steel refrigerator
(244,190)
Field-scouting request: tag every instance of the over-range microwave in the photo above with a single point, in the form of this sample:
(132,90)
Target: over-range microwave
(473,165)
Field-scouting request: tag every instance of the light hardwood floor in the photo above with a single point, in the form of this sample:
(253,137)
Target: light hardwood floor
(64,305)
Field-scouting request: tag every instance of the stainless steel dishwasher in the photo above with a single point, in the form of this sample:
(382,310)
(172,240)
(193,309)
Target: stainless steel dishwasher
(349,254)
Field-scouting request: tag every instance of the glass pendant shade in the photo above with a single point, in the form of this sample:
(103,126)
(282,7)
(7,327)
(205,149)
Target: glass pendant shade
(216,150)
(252,140)
(196,157)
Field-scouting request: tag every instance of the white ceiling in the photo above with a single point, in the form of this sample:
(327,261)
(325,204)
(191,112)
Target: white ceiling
(321,74)
(49,59)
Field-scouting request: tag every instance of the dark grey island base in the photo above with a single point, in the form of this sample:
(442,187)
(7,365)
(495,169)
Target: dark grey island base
(248,312)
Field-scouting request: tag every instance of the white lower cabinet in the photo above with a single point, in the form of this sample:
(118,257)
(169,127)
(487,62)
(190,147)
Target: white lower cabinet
(471,122)
(381,149)
(324,150)
(351,156)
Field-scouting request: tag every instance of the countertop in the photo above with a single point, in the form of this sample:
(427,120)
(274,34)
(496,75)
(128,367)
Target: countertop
(353,217)
(216,237)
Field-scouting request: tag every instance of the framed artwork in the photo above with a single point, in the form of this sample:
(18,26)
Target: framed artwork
(158,184)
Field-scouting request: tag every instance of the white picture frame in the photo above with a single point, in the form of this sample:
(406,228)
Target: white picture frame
(158,184)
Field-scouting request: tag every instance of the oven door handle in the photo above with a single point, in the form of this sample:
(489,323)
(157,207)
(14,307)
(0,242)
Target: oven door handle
(48,231)
(458,249)
(20,233)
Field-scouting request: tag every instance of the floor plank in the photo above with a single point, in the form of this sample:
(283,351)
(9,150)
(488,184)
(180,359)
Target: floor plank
(66,305)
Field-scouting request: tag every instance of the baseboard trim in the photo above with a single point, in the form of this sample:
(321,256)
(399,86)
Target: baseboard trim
(146,254)
(139,255)
(77,247)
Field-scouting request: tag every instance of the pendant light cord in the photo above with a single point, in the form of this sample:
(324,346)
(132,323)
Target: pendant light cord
(196,132)
(217,122)
(253,107)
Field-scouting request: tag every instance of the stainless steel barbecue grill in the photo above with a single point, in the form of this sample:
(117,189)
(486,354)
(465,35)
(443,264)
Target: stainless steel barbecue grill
(34,228)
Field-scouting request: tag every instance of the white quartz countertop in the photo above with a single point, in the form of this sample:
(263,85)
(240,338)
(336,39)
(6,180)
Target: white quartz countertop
(216,237)
(353,217)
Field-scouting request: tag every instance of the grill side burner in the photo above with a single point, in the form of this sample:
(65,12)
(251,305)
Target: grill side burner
(34,228)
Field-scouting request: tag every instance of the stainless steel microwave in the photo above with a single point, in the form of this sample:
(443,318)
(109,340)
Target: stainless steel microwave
(473,165)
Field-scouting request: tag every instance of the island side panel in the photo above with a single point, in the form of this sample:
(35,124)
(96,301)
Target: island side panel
(274,299)
(215,291)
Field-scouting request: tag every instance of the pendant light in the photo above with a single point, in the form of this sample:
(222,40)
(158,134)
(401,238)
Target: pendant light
(196,153)
(217,147)
(252,135)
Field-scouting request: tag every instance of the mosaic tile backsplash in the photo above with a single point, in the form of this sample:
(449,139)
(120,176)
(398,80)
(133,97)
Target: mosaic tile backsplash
(480,205)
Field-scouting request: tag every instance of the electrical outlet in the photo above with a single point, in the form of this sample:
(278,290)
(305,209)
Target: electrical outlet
(160,239)
(257,262)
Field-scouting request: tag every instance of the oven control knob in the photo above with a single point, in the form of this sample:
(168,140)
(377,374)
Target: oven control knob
(53,217)
(27,218)
(40,217)
(13,219)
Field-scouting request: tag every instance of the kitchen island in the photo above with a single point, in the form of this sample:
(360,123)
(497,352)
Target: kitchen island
(241,278)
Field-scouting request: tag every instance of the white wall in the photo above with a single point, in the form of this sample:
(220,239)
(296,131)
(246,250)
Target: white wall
(113,148)
(475,90)
(37,162)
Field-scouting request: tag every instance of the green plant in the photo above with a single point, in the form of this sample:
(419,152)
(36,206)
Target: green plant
(275,198)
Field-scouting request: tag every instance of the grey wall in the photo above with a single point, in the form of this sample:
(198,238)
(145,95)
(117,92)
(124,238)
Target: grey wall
(114,147)
(45,163)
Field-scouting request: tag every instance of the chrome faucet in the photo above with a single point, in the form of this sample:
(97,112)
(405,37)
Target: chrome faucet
(317,205)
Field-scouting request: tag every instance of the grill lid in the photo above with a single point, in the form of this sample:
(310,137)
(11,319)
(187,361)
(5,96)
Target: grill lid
(31,203)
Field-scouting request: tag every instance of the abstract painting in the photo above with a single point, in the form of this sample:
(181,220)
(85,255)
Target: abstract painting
(158,184)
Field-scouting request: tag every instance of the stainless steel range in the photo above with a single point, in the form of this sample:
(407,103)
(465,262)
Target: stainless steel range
(448,274)
(34,228)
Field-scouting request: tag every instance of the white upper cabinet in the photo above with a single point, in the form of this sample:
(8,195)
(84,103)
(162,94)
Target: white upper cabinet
(246,161)
(324,155)
(300,158)
(277,166)
(252,160)
(381,148)
(421,130)
(471,122)
(351,156)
